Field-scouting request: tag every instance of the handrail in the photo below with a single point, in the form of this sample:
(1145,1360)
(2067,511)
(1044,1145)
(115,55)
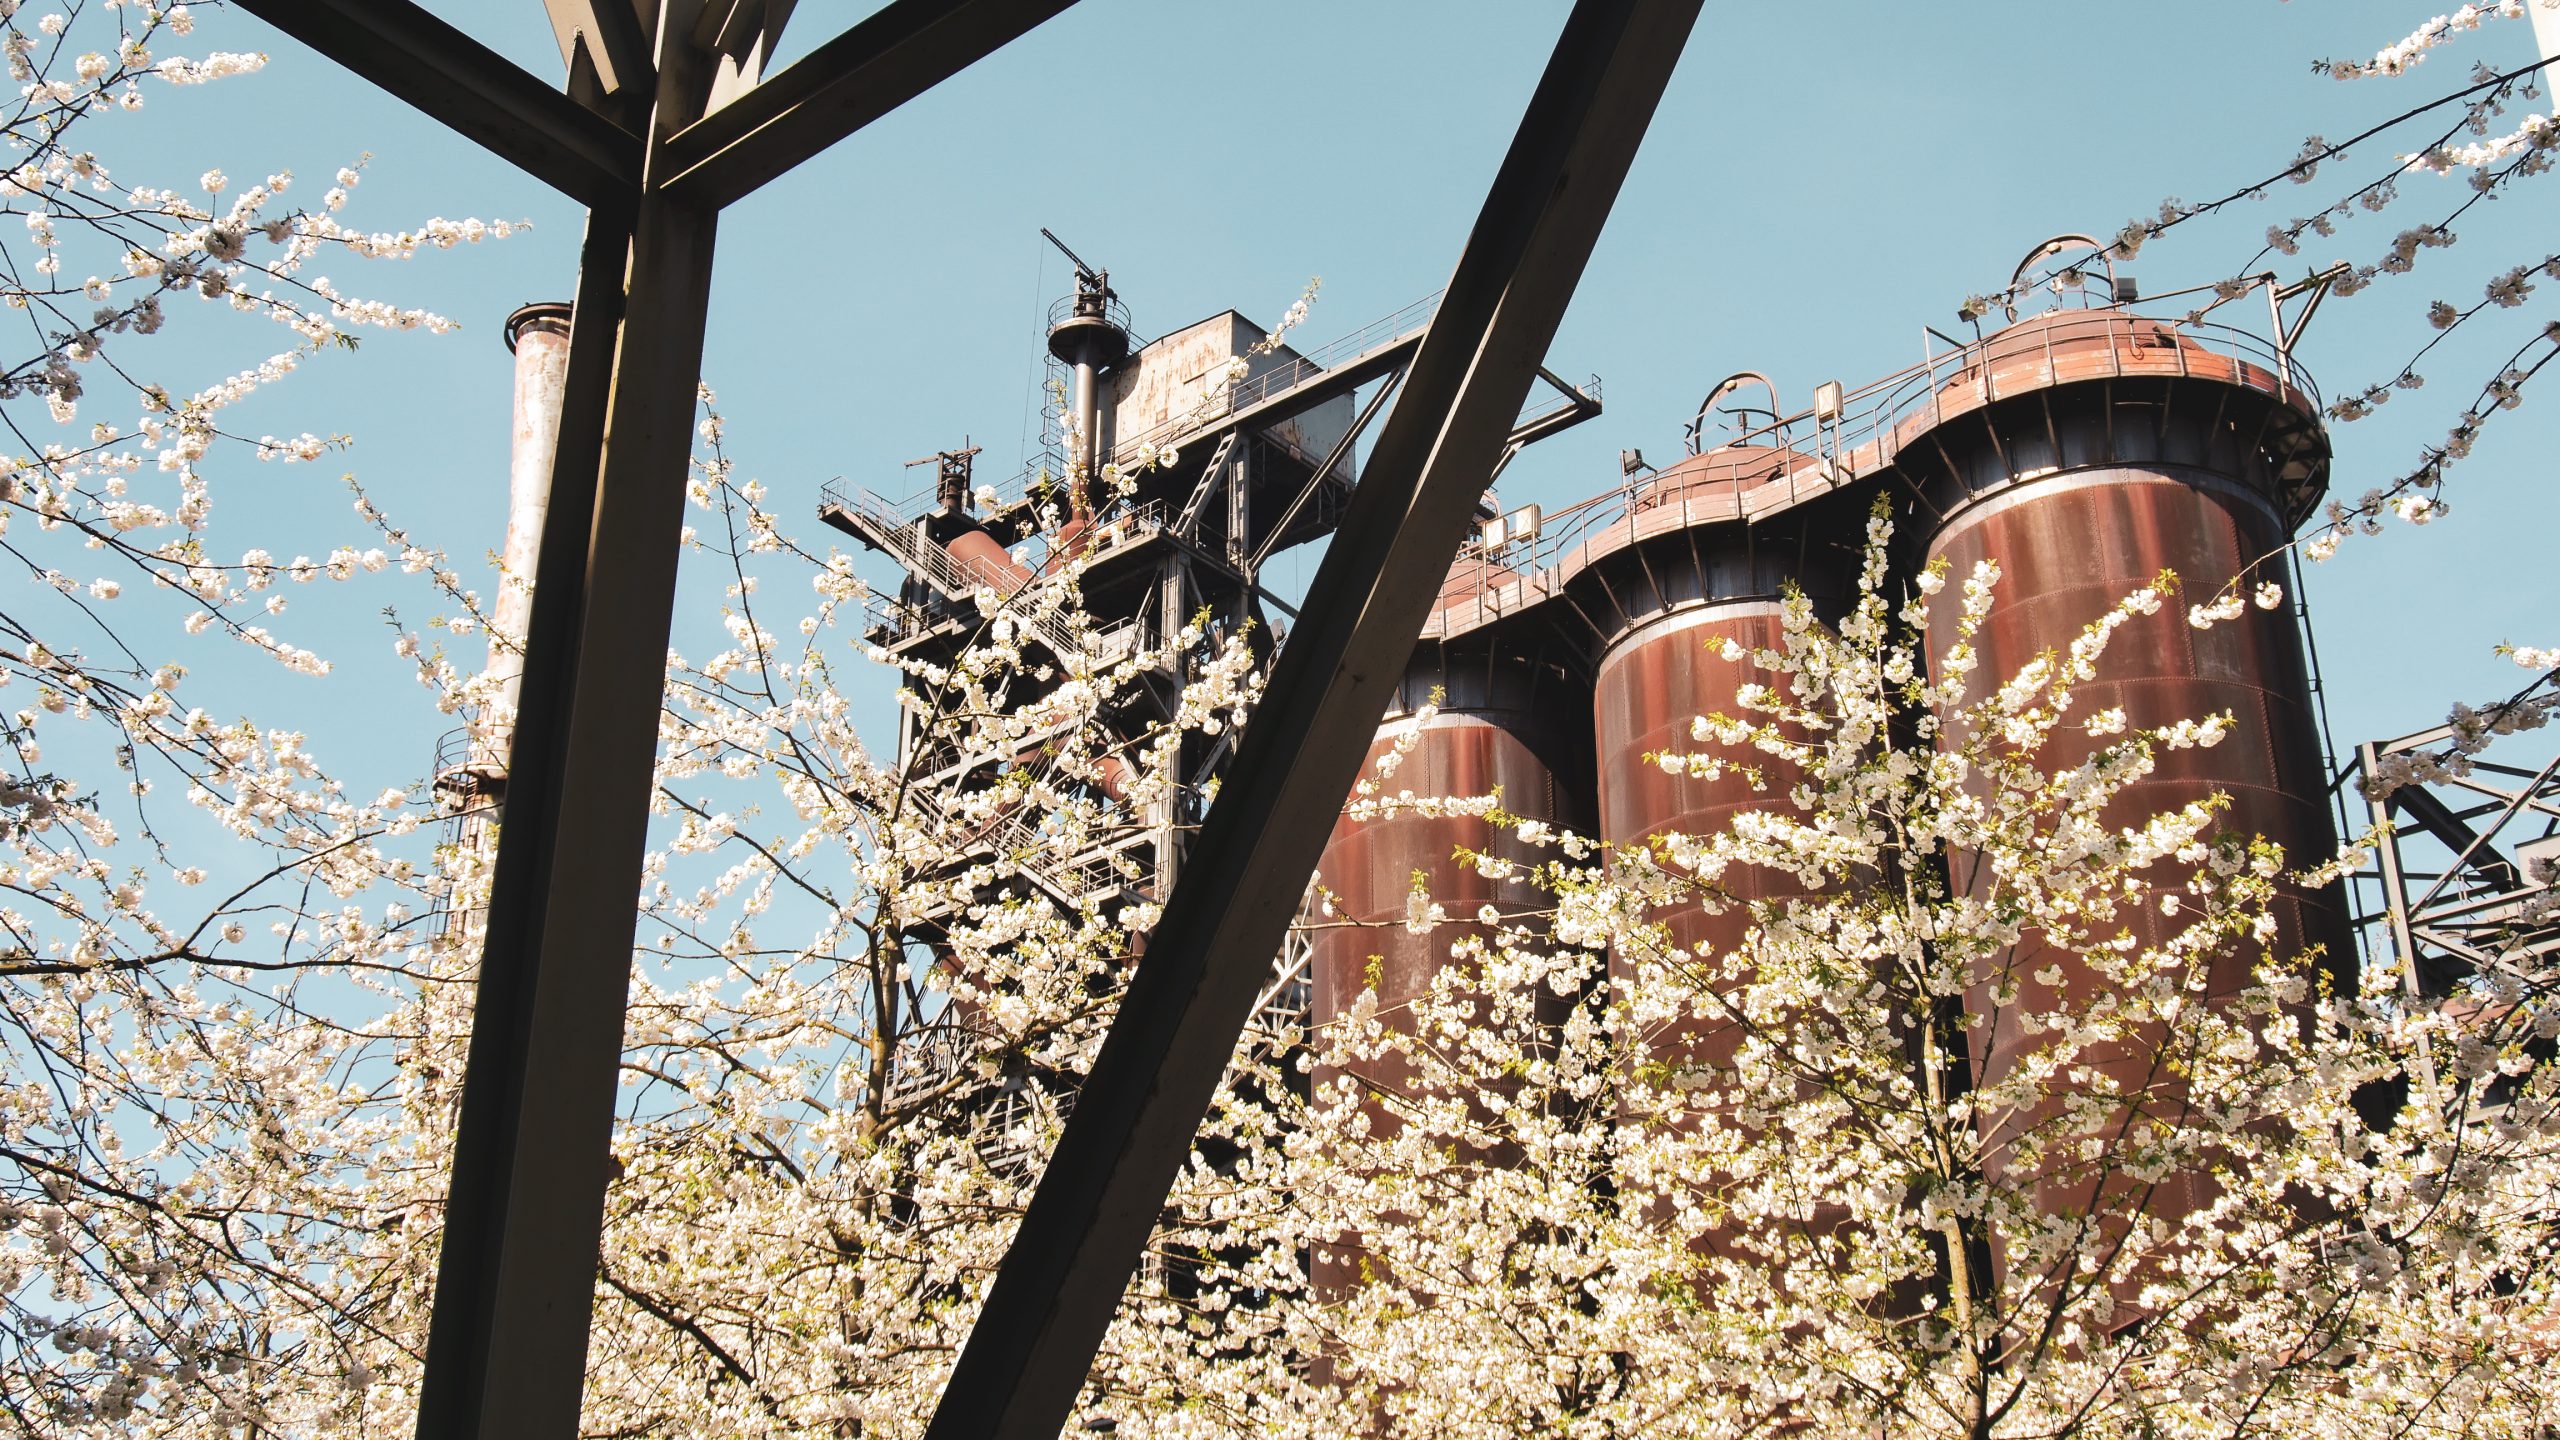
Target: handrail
(1877,417)
(1299,367)
(938,568)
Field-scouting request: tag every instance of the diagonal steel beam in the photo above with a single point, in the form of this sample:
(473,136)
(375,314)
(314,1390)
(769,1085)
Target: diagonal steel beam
(1135,1116)
(902,50)
(541,1267)
(730,26)
(2451,831)
(481,94)
(1332,460)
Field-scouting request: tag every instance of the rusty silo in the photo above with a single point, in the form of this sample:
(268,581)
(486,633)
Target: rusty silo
(1509,719)
(1703,556)
(2085,452)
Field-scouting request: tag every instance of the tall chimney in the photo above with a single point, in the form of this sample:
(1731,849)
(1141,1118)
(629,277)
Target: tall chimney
(1088,339)
(539,336)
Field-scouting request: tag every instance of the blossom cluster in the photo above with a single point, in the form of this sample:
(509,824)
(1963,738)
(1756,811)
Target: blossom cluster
(1904,1143)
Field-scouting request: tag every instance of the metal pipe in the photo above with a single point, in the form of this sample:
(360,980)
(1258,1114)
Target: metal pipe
(1086,340)
(1088,455)
(538,334)
(1088,458)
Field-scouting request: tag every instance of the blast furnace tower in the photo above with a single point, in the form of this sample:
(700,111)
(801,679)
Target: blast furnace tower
(1228,449)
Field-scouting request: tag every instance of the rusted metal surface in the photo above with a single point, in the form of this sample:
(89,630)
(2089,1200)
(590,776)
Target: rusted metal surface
(2082,495)
(984,560)
(1508,721)
(1651,685)
(2068,552)
(1681,595)
(2086,451)
(1682,599)
(2257,409)
(1723,474)
(1372,867)
(2067,347)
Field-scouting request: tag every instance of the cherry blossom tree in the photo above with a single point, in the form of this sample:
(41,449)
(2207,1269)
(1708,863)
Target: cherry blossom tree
(2202,1187)
(868,985)
(1854,1227)
(867,989)
(202,931)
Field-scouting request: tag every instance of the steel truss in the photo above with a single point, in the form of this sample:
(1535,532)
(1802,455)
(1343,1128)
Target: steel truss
(666,118)
(1189,540)
(2462,884)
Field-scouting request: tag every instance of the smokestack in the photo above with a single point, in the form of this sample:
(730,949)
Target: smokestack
(538,334)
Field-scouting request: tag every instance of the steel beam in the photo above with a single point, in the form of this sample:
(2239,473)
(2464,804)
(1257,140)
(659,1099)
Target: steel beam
(1324,385)
(897,53)
(533,1153)
(1324,472)
(544,1271)
(483,1192)
(479,93)
(2469,847)
(1194,991)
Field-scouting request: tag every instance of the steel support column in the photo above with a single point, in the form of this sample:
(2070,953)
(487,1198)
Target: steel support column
(569,898)
(1194,991)
(485,1185)
(541,1271)
(516,1283)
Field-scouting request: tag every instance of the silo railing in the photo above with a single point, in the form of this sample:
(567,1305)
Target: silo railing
(1870,428)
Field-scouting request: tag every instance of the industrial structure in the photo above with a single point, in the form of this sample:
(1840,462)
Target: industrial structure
(1233,448)
(2085,449)
(2465,883)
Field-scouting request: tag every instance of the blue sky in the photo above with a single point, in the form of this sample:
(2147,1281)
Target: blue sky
(1820,182)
